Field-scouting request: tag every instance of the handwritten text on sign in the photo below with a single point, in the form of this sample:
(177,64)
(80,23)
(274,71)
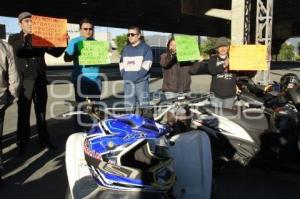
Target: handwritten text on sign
(48,32)
(187,48)
(248,57)
(93,52)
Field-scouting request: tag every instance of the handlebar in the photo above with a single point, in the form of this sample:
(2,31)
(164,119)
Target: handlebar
(97,112)
(74,113)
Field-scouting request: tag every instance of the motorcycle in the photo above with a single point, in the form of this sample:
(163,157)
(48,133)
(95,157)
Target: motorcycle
(264,127)
(132,156)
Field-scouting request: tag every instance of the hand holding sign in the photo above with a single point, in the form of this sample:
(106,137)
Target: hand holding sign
(226,63)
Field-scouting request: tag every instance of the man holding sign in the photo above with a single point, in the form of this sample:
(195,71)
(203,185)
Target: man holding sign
(223,83)
(83,51)
(85,75)
(30,62)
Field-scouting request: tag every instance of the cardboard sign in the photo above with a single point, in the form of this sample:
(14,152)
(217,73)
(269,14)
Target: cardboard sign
(248,57)
(93,52)
(187,48)
(48,32)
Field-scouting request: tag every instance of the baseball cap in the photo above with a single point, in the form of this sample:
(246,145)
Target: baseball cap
(23,15)
(222,41)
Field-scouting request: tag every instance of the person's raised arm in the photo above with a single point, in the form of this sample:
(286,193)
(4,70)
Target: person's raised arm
(71,52)
(215,67)
(56,52)
(197,66)
(167,60)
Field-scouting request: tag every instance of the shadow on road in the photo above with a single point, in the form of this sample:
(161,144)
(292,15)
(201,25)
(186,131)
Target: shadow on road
(40,173)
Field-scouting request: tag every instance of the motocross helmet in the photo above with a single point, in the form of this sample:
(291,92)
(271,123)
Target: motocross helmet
(288,80)
(118,153)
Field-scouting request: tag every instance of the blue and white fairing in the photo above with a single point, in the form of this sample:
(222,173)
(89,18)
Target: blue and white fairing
(111,142)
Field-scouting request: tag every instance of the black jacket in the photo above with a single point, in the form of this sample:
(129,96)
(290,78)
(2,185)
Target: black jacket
(30,60)
(223,83)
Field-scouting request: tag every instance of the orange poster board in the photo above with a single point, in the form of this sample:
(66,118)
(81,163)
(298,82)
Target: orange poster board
(248,57)
(48,31)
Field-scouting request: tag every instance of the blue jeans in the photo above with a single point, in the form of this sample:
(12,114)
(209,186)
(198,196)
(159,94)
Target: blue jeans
(136,92)
(222,103)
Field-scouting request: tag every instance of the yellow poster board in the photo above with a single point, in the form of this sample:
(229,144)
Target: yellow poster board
(48,31)
(248,57)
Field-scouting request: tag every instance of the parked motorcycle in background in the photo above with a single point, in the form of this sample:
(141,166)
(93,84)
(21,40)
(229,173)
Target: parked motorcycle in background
(278,105)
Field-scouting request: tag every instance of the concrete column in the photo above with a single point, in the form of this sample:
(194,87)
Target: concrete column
(237,21)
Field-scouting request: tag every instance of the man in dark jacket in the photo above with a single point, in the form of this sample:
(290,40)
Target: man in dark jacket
(9,83)
(223,83)
(30,62)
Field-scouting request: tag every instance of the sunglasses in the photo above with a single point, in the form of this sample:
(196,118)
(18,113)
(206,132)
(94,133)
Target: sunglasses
(131,35)
(86,29)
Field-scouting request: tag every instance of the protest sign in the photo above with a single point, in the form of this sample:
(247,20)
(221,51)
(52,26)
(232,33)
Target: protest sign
(48,31)
(187,48)
(93,52)
(248,57)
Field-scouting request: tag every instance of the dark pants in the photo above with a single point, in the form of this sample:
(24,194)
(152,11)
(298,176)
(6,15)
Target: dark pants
(83,90)
(36,91)
(87,89)
(2,112)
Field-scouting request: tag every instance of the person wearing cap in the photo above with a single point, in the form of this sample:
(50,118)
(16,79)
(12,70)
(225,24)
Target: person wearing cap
(31,64)
(9,84)
(223,83)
